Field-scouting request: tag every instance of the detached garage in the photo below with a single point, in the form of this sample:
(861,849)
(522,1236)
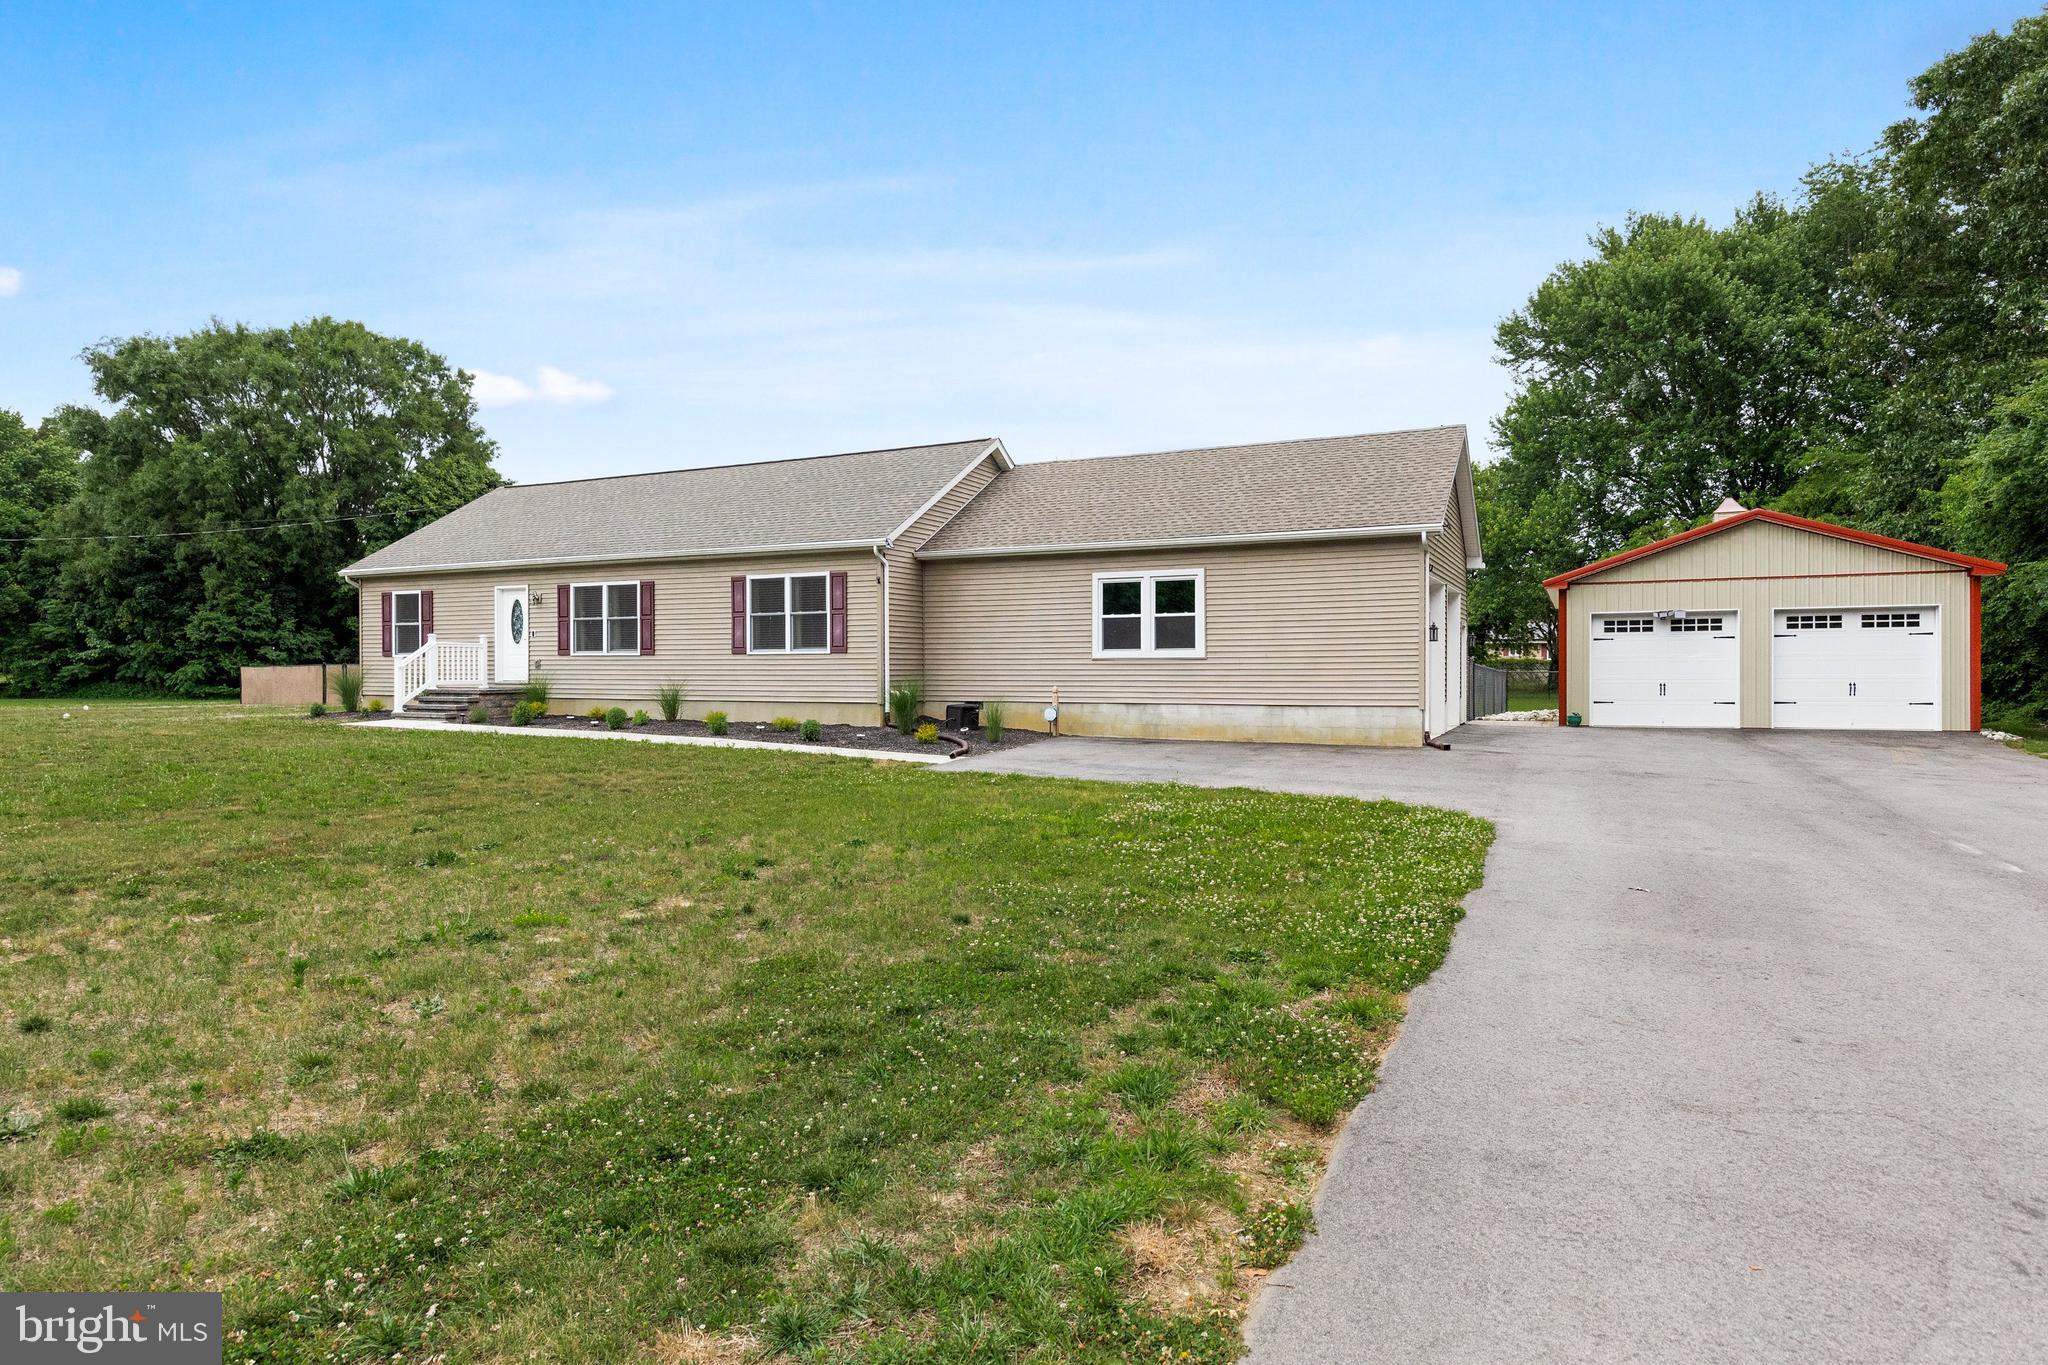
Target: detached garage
(1763,619)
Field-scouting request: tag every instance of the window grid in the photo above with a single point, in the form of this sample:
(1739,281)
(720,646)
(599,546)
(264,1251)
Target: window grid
(1891,620)
(604,618)
(1814,621)
(1149,615)
(406,632)
(1628,625)
(789,614)
(1697,624)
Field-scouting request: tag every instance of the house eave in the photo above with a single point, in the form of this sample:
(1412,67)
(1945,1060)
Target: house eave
(356,572)
(1183,542)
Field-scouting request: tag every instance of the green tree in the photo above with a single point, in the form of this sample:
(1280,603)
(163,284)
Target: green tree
(332,438)
(1676,366)
(38,473)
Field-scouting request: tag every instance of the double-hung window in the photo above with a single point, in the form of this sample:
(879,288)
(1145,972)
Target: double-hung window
(1149,615)
(789,614)
(406,632)
(604,618)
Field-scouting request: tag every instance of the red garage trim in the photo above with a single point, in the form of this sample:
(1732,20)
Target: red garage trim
(1564,630)
(1977,567)
(1976,652)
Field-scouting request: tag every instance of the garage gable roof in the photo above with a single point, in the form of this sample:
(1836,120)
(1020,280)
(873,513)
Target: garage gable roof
(1981,568)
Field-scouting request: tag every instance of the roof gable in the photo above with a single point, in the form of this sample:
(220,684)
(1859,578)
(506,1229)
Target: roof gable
(1765,515)
(1384,483)
(833,501)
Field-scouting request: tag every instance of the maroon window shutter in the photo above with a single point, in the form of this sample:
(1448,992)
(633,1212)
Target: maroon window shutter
(838,614)
(387,625)
(561,618)
(739,613)
(646,616)
(426,613)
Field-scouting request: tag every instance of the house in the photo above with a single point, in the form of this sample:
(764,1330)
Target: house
(1766,620)
(1299,590)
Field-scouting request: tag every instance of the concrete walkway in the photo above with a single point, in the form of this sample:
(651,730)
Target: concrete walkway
(1741,1054)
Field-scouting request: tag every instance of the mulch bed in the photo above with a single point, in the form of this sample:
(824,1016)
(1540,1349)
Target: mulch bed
(881,738)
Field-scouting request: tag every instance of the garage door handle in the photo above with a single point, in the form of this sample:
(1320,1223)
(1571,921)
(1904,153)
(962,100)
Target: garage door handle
(1781,637)
(1724,703)
(1922,632)
(1784,703)
(1919,703)
(1598,702)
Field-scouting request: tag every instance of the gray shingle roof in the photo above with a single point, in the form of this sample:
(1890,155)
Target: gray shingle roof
(1395,478)
(826,500)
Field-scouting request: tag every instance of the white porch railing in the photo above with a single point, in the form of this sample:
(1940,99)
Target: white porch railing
(439,663)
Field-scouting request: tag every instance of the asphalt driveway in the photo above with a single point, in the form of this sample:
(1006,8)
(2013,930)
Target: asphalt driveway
(1742,1054)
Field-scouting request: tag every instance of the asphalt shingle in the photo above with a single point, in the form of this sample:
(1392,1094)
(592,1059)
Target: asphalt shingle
(1396,478)
(825,500)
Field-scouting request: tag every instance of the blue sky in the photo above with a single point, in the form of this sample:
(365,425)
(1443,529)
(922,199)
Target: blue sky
(686,235)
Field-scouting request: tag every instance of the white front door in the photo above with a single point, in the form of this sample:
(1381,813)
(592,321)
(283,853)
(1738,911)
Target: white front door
(509,658)
(1646,669)
(1876,668)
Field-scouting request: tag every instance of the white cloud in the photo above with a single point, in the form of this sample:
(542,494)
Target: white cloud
(10,281)
(550,385)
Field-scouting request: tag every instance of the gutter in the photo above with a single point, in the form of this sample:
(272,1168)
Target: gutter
(1181,542)
(357,571)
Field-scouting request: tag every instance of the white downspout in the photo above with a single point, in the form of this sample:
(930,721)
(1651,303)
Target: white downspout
(882,556)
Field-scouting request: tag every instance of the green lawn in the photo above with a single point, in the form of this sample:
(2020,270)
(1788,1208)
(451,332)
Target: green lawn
(1531,699)
(503,1048)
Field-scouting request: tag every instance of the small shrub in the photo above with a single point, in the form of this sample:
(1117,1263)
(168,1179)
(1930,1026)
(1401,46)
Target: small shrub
(595,713)
(316,710)
(616,718)
(670,700)
(35,1023)
(348,686)
(813,731)
(374,705)
(641,718)
(927,733)
(906,702)
(715,722)
(784,724)
(992,721)
(527,712)
(537,690)
(479,714)
(81,1109)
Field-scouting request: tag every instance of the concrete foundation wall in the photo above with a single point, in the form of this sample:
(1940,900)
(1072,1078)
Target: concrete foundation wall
(1365,725)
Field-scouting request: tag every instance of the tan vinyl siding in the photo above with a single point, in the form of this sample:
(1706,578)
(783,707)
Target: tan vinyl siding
(1334,623)
(1447,549)
(1759,568)
(692,633)
(906,594)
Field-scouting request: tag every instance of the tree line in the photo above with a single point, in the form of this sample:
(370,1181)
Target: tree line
(1873,353)
(201,521)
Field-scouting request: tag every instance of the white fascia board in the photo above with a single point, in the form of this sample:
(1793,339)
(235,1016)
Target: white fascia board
(992,448)
(1178,542)
(355,572)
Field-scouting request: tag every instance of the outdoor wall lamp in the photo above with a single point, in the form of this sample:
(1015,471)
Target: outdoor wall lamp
(1432,632)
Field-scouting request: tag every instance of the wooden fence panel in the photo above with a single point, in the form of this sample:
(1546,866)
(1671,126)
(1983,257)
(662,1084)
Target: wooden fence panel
(289,685)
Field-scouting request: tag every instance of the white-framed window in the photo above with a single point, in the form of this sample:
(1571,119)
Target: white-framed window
(1150,615)
(604,618)
(789,613)
(407,633)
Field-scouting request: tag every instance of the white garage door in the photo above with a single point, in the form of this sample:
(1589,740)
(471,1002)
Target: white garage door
(1873,668)
(1665,670)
